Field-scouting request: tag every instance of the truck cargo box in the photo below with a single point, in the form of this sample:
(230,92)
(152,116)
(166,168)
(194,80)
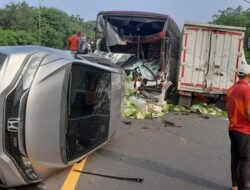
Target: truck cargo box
(209,57)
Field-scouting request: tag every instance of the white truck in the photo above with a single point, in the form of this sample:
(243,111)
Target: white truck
(209,57)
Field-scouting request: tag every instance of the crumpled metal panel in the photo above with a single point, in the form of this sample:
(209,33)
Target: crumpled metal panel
(110,32)
(148,69)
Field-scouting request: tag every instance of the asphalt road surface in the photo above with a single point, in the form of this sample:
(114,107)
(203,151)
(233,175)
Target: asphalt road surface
(186,152)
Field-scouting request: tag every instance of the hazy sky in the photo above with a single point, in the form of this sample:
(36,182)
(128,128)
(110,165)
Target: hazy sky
(179,10)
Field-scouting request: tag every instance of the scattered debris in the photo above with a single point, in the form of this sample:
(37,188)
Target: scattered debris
(140,104)
(139,180)
(127,122)
(151,110)
(205,116)
(130,110)
(205,109)
(170,124)
(137,106)
(154,107)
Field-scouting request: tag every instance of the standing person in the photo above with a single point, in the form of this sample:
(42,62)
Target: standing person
(89,42)
(73,42)
(83,45)
(82,36)
(238,108)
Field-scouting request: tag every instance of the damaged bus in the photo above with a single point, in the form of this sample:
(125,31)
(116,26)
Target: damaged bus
(145,45)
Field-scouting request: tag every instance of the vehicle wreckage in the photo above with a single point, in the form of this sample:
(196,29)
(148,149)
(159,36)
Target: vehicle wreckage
(145,45)
(54,110)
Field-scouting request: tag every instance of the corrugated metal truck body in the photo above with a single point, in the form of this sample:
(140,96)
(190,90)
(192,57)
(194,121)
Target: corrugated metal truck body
(209,57)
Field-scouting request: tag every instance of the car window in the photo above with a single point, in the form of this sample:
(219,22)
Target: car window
(89,109)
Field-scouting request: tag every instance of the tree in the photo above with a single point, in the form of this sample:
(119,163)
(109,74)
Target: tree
(89,28)
(10,37)
(57,26)
(18,17)
(19,24)
(235,17)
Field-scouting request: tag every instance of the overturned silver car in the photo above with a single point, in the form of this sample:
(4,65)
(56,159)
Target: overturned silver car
(54,110)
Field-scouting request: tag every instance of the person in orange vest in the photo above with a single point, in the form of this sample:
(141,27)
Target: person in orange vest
(73,42)
(238,108)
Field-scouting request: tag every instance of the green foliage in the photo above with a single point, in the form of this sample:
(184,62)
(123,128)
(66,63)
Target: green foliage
(51,37)
(7,37)
(55,27)
(235,17)
(247,54)
(230,16)
(20,37)
(19,25)
(18,17)
(89,28)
